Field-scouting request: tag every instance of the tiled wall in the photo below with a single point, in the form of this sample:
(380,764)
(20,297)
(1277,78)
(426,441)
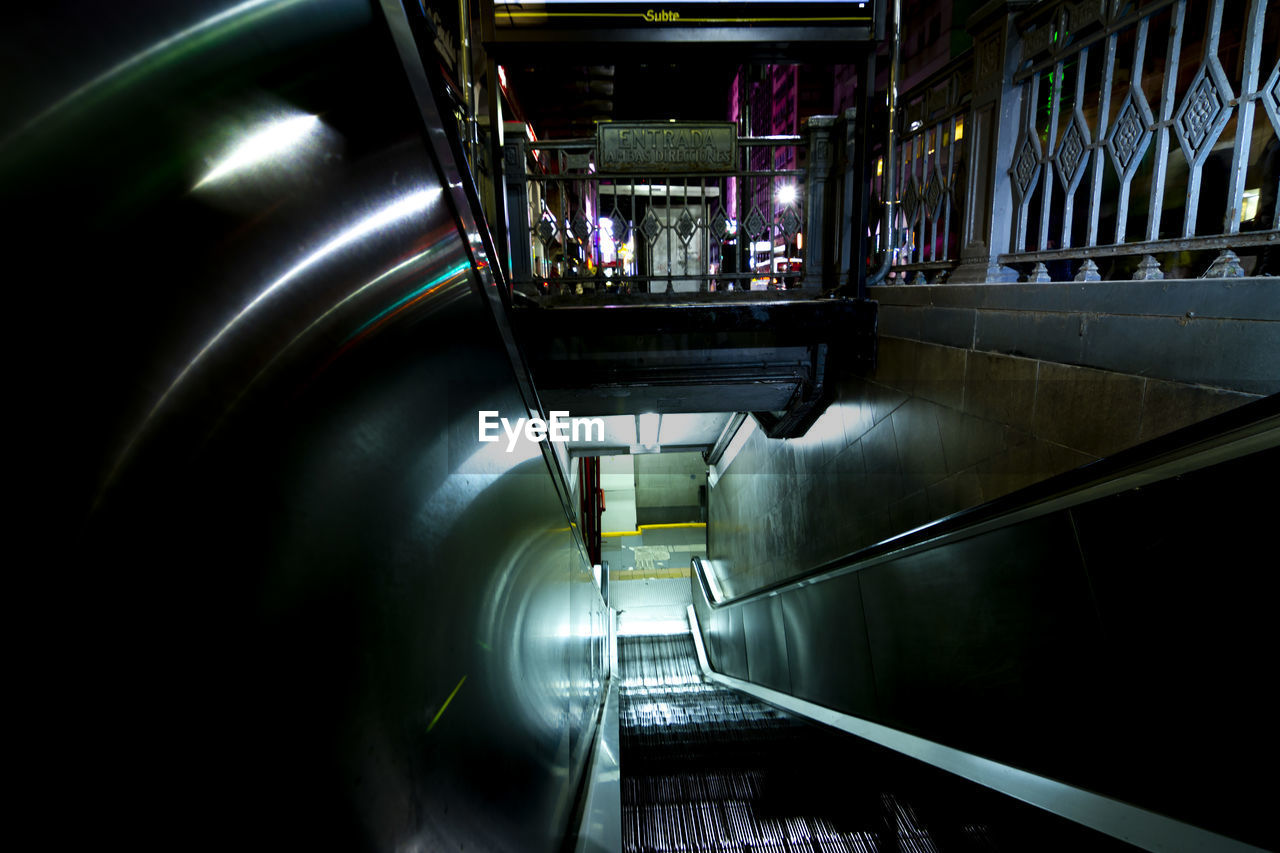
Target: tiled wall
(935,430)
(668,487)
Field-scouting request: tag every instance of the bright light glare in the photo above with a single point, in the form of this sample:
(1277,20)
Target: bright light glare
(160,54)
(410,205)
(648,430)
(786,194)
(268,143)
(1249,209)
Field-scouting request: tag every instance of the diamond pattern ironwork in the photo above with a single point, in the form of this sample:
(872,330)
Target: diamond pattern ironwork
(546,230)
(755,222)
(911,201)
(934,193)
(620,226)
(1271,97)
(1204,112)
(1072,153)
(790,222)
(686,224)
(719,224)
(1131,133)
(650,227)
(1024,169)
(580,226)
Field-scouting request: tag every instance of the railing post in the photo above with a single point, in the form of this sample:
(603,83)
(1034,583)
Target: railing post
(848,251)
(820,239)
(992,129)
(520,260)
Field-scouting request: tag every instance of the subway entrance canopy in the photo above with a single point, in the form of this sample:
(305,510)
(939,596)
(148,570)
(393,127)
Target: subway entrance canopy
(592,24)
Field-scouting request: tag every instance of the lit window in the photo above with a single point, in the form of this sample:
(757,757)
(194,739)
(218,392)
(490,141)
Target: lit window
(1249,209)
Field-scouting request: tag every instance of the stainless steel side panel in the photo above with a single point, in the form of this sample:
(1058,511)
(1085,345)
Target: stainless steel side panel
(1109,640)
(766,643)
(829,659)
(998,629)
(290,600)
(727,642)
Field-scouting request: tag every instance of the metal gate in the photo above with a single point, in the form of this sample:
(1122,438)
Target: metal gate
(686,208)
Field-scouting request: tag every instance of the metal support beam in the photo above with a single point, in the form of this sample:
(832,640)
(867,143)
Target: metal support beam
(821,243)
(992,129)
(519,255)
(852,197)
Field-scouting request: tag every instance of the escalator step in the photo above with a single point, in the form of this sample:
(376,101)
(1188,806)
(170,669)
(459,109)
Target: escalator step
(705,768)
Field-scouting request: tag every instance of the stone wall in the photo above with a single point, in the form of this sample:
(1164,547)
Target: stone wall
(936,429)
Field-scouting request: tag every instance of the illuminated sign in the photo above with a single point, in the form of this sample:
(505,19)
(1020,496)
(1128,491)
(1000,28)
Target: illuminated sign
(666,147)
(717,20)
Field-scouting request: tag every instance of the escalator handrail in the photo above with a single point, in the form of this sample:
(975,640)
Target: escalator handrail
(463,199)
(1250,427)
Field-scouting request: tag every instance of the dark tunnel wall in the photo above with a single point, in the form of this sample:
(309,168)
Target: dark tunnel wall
(287,599)
(1114,643)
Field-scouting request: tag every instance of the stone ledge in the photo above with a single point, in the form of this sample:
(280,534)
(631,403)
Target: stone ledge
(1217,334)
(1249,298)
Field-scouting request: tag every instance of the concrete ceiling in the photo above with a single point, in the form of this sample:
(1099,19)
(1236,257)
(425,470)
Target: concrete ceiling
(685,430)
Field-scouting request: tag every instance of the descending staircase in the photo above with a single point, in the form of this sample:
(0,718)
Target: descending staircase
(707,769)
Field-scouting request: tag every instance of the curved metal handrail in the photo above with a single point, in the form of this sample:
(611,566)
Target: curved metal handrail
(1253,426)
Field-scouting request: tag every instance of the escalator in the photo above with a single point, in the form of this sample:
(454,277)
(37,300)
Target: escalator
(286,599)
(1090,645)
(706,768)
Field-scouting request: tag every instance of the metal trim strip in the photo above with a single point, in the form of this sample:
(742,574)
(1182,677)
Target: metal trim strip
(601,828)
(463,199)
(1147,829)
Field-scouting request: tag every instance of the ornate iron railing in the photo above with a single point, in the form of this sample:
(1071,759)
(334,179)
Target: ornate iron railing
(1095,139)
(579,230)
(930,176)
(1139,142)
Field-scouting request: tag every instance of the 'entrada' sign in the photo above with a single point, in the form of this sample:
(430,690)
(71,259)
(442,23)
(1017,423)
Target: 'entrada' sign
(705,146)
